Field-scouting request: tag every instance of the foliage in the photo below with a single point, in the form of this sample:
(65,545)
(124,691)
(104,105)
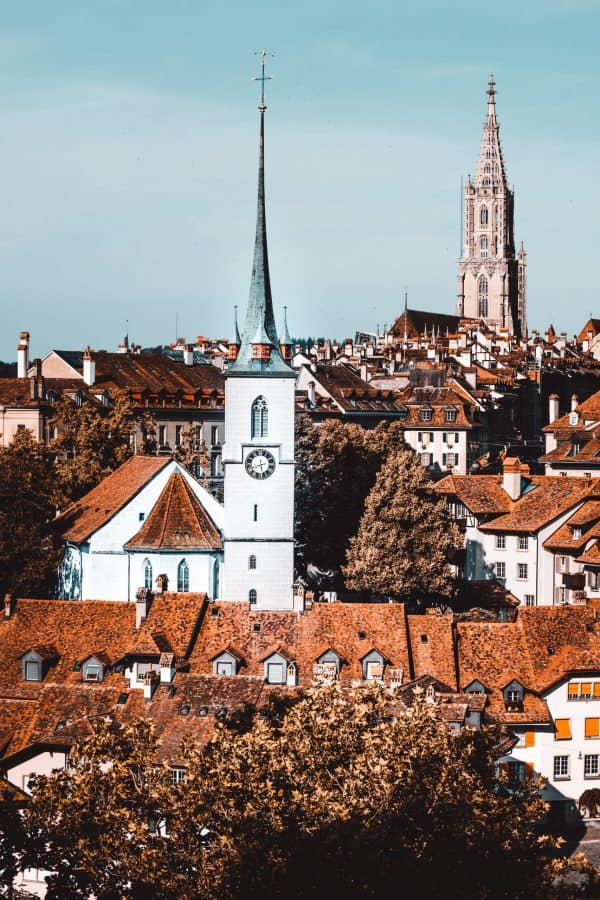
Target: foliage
(339,794)
(12,844)
(590,802)
(336,465)
(192,453)
(93,440)
(29,555)
(406,538)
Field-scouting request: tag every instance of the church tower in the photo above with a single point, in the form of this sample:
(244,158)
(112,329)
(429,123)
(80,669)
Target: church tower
(258,455)
(491,278)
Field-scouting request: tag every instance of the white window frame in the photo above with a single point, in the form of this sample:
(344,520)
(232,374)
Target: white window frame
(523,542)
(561,768)
(522,572)
(591,762)
(500,542)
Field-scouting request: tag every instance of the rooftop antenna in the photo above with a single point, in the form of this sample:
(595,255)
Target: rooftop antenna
(262,77)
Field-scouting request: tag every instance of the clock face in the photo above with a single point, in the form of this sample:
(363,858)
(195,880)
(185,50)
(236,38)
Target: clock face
(260,464)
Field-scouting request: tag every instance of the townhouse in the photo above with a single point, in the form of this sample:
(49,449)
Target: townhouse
(526,531)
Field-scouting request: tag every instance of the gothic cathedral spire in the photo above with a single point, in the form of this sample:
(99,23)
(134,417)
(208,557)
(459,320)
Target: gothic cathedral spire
(491,279)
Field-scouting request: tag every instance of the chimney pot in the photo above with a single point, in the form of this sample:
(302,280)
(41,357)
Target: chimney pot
(89,367)
(574,402)
(143,602)
(23,355)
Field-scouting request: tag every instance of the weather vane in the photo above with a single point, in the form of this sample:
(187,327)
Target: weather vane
(262,77)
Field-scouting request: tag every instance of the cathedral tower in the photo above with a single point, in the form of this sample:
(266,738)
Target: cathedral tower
(491,278)
(259,440)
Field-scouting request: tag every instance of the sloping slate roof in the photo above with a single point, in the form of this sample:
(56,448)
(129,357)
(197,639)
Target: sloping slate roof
(81,519)
(178,521)
(154,372)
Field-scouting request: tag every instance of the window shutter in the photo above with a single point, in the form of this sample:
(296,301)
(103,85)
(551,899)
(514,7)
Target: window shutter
(573,690)
(562,729)
(530,738)
(586,689)
(529,768)
(592,728)
(597,690)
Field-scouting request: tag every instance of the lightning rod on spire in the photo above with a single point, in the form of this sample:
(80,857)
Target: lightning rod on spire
(262,77)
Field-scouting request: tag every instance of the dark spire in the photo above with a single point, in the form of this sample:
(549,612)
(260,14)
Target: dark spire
(259,329)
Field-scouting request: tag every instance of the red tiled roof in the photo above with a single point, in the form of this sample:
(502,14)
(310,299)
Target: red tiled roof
(481,494)
(550,498)
(81,519)
(177,521)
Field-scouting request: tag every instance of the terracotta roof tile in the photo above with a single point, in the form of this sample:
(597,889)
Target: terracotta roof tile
(432,647)
(172,618)
(482,494)
(549,498)
(177,521)
(81,519)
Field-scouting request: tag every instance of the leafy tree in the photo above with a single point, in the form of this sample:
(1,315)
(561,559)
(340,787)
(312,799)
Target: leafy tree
(336,464)
(406,539)
(341,794)
(93,440)
(29,555)
(192,453)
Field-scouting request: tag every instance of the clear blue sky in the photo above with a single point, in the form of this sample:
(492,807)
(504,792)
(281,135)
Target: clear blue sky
(128,137)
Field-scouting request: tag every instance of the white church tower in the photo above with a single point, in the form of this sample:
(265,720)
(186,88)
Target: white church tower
(258,455)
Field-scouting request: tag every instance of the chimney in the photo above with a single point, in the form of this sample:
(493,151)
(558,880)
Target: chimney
(23,355)
(312,396)
(89,367)
(151,680)
(162,583)
(574,402)
(188,354)
(364,371)
(553,402)
(511,477)
(167,668)
(9,605)
(143,601)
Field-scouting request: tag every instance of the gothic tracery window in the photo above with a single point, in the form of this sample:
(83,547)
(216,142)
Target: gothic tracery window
(483,296)
(483,246)
(484,215)
(260,418)
(183,577)
(147,574)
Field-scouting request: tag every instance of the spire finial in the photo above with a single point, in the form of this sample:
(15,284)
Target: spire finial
(491,93)
(262,77)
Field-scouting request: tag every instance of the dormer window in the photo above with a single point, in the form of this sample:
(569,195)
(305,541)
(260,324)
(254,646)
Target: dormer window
(513,696)
(36,662)
(372,666)
(275,669)
(426,413)
(225,664)
(328,665)
(576,533)
(93,669)
(450,414)
(475,687)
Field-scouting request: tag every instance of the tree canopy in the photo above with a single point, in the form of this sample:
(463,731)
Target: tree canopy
(406,539)
(336,465)
(29,555)
(342,793)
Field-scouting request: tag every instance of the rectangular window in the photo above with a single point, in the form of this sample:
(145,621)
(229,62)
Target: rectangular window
(452,459)
(561,767)
(177,775)
(529,599)
(224,668)
(562,563)
(178,429)
(275,673)
(214,435)
(255,514)
(162,435)
(590,765)
(586,690)
(500,542)
(573,691)
(523,542)
(522,571)
(33,670)
(500,570)
(425,459)
(592,728)
(562,729)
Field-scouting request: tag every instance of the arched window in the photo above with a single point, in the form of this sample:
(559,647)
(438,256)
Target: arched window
(486,168)
(252,562)
(260,418)
(252,596)
(483,248)
(183,577)
(484,215)
(147,574)
(216,579)
(483,296)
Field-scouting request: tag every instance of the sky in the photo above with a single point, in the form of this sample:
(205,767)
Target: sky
(128,152)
